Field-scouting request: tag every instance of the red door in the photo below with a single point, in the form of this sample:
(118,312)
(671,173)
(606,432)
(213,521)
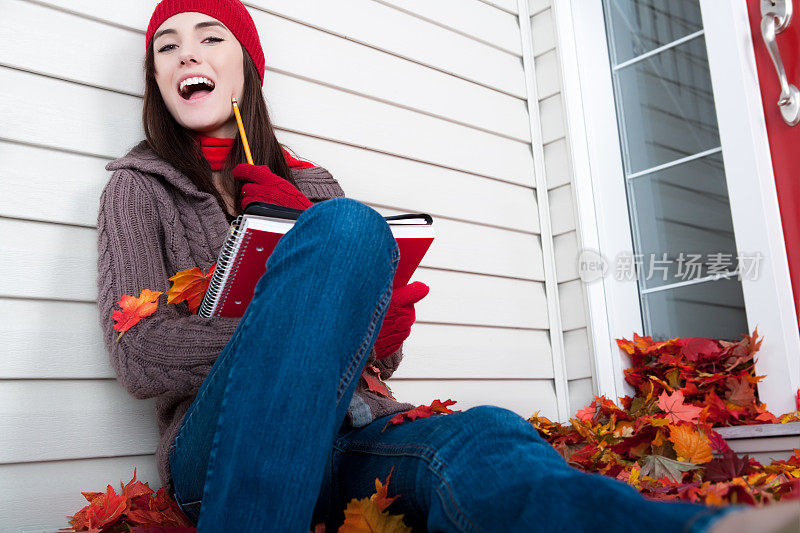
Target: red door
(784,140)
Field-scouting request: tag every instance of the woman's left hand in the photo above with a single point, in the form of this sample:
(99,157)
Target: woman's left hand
(260,184)
(399,318)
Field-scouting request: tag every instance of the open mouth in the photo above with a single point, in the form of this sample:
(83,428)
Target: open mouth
(197,87)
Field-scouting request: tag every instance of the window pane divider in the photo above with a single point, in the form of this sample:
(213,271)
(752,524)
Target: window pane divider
(655,51)
(714,277)
(675,163)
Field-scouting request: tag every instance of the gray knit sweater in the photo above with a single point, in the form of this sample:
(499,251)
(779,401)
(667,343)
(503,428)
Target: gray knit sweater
(152,223)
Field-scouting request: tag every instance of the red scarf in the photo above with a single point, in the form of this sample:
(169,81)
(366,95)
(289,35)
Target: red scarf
(216,151)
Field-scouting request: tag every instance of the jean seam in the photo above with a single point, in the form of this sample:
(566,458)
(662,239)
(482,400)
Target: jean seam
(187,417)
(355,361)
(435,464)
(215,442)
(382,304)
(459,518)
(181,505)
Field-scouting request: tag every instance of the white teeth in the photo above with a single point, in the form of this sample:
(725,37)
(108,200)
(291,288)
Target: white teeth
(195,81)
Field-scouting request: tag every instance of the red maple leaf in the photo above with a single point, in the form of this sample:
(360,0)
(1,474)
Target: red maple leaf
(372,376)
(587,413)
(727,467)
(718,442)
(423,411)
(676,410)
(696,348)
(137,505)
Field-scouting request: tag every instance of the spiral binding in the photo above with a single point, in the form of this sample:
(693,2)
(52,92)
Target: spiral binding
(226,255)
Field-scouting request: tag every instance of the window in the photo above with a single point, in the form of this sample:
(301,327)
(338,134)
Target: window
(684,249)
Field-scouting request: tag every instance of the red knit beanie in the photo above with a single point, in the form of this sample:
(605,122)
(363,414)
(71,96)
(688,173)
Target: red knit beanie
(232,13)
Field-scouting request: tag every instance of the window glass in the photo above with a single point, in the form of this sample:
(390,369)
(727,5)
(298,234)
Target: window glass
(685,253)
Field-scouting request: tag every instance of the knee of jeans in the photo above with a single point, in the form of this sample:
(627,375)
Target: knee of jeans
(491,415)
(348,221)
(490,427)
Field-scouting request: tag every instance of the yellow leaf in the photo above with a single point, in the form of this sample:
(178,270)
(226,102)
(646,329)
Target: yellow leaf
(363,516)
(369,515)
(633,479)
(658,440)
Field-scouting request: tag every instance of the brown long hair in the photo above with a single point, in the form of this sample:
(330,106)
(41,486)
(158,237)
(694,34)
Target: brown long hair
(177,146)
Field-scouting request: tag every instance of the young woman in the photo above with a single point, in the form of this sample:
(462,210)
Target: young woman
(265,420)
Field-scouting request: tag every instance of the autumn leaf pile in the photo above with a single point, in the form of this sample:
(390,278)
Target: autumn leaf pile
(136,508)
(661,440)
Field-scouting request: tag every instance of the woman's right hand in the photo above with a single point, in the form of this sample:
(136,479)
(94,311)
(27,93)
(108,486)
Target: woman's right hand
(399,318)
(260,184)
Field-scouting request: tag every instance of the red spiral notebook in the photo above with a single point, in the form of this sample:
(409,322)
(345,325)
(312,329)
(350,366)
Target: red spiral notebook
(254,235)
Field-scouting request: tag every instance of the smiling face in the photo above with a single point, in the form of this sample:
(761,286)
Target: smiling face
(199,48)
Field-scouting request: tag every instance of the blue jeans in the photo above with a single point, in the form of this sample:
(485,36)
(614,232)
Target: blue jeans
(265,445)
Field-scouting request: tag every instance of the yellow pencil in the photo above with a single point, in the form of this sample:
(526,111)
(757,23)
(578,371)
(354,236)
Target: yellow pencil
(241,130)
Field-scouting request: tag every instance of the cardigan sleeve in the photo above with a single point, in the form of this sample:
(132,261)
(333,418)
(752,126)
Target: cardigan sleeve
(389,364)
(317,183)
(172,350)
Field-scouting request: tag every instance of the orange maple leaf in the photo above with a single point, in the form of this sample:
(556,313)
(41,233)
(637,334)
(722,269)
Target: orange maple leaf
(422,411)
(134,489)
(133,309)
(369,515)
(676,410)
(103,510)
(644,345)
(189,285)
(136,505)
(381,497)
(690,445)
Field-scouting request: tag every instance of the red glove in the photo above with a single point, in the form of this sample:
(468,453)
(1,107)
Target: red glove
(399,318)
(260,184)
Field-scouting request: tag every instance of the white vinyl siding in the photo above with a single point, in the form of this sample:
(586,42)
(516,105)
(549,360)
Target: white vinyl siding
(438,123)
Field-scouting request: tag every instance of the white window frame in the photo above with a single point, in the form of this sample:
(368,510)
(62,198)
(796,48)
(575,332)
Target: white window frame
(593,136)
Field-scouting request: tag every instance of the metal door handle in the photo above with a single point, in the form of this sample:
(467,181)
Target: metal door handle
(775,17)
